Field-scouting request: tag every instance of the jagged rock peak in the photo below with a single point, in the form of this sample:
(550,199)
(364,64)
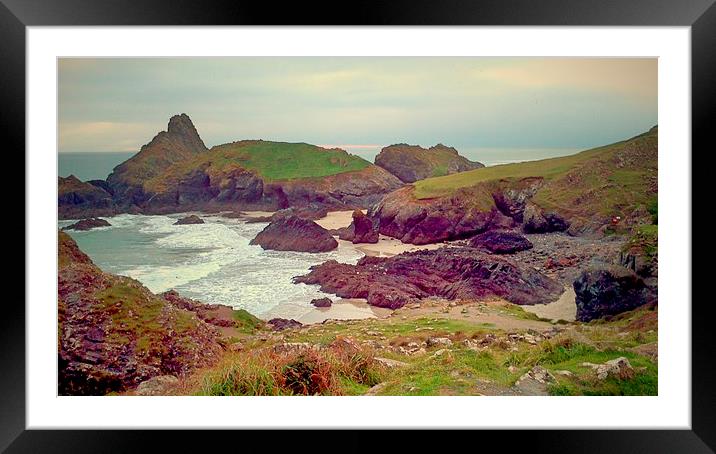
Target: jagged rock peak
(181,125)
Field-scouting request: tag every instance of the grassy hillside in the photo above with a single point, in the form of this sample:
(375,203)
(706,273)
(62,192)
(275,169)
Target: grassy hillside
(273,161)
(613,180)
(547,168)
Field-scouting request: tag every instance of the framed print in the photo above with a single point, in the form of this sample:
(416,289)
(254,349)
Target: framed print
(428,217)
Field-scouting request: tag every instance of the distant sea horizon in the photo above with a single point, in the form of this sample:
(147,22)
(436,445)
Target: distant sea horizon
(98,165)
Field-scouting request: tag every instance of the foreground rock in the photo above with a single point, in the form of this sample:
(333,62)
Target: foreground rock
(295,234)
(280,324)
(535,220)
(501,242)
(411,163)
(322,302)
(115,334)
(88,224)
(188,220)
(157,386)
(619,368)
(601,292)
(452,273)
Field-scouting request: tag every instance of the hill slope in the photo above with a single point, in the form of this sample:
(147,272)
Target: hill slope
(411,163)
(584,192)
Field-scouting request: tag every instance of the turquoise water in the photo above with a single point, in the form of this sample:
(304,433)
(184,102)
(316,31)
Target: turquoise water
(211,262)
(90,166)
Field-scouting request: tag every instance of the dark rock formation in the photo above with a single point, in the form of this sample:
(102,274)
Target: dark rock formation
(501,242)
(87,224)
(322,302)
(78,199)
(295,234)
(411,163)
(280,324)
(452,273)
(609,291)
(115,334)
(361,230)
(537,221)
(191,219)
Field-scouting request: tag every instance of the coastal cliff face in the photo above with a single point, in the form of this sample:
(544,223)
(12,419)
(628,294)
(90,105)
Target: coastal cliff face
(595,192)
(113,333)
(411,163)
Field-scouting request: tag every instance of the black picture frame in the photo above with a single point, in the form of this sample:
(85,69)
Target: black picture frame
(700,15)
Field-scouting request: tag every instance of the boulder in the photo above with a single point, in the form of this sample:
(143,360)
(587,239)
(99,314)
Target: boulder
(295,234)
(535,220)
(157,386)
(501,242)
(87,224)
(321,302)
(619,368)
(610,290)
(280,324)
(192,219)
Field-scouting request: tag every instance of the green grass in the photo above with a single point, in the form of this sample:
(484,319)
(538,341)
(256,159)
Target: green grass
(273,161)
(135,313)
(245,322)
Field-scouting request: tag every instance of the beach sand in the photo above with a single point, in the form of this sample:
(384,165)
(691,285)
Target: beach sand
(344,309)
(563,309)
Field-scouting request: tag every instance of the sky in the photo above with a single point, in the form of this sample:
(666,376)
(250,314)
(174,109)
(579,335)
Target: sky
(119,104)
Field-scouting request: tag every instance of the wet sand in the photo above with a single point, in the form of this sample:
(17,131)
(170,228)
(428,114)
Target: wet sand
(562,309)
(344,309)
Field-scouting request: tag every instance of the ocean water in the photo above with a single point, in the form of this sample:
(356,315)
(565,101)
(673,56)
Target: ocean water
(90,166)
(211,262)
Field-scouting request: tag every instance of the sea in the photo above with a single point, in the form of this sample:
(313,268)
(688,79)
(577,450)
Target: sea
(213,262)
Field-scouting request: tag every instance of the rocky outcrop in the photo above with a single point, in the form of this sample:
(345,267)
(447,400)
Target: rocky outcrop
(452,273)
(402,216)
(191,219)
(535,220)
(280,324)
(601,292)
(411,163)
(361,230)
(322,302)
(78,199)
(88,224)
(501,242)
(179,142)
(115,334)
(295,234)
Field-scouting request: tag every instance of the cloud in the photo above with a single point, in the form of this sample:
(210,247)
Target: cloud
(121,103)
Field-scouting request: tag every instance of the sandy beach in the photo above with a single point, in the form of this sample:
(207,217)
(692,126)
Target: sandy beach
(562,309)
